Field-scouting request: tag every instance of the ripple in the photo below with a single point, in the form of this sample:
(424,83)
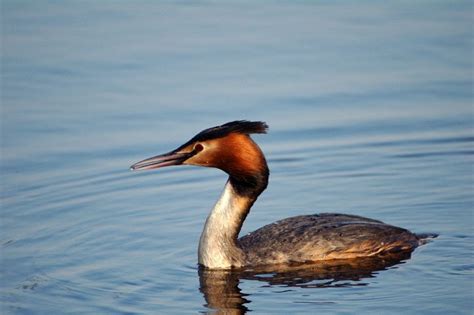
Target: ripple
(433,154)
(422,141)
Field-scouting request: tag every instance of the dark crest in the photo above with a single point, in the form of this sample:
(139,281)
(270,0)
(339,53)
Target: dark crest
(238,126)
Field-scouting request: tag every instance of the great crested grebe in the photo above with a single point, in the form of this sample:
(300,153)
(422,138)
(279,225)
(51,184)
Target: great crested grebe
(300,239)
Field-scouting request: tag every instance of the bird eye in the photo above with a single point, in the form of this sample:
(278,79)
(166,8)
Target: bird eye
(198,147)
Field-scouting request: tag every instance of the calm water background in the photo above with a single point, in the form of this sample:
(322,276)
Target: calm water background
(370,113)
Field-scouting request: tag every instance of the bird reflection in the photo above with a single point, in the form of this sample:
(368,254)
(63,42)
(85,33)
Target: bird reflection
(223,295)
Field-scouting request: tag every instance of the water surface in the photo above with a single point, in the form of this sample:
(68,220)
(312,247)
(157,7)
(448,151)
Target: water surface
(370,113)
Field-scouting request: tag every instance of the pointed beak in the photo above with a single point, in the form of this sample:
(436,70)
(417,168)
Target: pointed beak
(167,159)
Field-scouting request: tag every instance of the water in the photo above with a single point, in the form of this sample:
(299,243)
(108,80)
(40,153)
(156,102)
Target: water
(370,113)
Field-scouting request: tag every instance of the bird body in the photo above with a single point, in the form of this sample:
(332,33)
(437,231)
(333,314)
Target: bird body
(300,239)
(324,236)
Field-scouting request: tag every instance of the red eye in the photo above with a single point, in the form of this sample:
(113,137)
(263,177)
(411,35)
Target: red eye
(198,148)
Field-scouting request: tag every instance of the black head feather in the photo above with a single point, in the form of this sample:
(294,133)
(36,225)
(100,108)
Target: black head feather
(238,126)
(246,184)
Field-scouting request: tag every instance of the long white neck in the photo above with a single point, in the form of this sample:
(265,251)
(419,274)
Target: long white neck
(218,246)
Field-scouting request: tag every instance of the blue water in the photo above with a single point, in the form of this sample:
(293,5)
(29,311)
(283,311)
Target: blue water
(370,107)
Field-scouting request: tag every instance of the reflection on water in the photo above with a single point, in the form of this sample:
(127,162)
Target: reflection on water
(223,295)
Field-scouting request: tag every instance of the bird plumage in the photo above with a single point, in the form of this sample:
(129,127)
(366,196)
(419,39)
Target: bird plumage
(299,239)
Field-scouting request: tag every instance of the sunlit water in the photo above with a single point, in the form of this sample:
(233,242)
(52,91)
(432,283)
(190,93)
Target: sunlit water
(370,113)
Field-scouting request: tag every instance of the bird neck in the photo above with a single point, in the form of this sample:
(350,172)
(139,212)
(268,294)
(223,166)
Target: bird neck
(218,246)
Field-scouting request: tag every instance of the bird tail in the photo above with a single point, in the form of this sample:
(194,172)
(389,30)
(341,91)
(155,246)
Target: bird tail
(424,238)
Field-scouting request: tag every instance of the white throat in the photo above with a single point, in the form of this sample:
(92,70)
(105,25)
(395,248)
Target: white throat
(218,248)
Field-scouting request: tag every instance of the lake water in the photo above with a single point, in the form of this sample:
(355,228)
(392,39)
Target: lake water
(370,113)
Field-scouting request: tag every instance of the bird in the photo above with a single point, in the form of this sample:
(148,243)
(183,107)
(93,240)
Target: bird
(300,239)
